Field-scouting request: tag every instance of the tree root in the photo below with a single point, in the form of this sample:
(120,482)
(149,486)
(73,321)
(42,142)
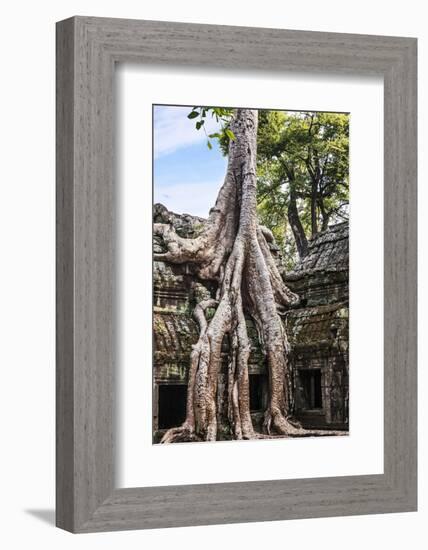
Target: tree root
(233,251)
(182,434)
(288,427)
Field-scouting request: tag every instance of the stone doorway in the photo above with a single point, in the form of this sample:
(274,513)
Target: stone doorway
(312,389)
(172,405)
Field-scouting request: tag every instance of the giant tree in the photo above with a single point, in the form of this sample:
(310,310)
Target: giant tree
(232,251)
(302,170)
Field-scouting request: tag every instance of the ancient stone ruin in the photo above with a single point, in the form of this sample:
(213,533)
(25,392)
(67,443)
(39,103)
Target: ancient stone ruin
(317,330)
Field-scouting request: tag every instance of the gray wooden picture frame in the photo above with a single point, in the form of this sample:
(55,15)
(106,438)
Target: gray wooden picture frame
(87,50)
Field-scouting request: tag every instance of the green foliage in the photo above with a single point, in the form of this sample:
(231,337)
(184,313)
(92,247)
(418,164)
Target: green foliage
(302,168)
(302,157)
(222,115)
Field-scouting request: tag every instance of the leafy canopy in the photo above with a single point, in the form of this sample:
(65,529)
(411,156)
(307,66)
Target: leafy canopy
(302,158)
(302,170)
(221,114)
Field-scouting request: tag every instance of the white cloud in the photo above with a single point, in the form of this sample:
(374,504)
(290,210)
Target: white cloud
(173,130)
(188,198)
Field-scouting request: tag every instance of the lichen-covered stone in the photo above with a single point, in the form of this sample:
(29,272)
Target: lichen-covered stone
(328,252)
(319,328)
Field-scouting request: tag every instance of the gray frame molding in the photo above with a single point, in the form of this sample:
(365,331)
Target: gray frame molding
(87,50)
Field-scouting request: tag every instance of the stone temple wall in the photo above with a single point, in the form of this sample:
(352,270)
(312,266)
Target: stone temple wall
(317,329)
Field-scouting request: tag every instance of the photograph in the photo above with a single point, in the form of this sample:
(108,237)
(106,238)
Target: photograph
(250,273)
(210,262)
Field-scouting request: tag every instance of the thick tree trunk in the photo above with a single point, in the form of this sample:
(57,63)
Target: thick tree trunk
(324,214)
(296,225)
(233,251)
(314,217)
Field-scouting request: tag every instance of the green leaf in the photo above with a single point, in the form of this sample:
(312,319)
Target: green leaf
(209,144)
(230,134)
(213,136)
(193,114)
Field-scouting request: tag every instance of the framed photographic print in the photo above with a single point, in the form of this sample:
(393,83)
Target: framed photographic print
(236,274)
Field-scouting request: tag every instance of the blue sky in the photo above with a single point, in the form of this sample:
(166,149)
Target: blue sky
(187,175)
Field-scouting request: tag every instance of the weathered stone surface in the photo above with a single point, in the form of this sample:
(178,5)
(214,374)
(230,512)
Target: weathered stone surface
(319,328)
(328,252)
(322,276)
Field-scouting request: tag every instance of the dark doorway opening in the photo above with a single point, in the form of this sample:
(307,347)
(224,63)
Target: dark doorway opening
(256,392)
(312,391)
(172,405)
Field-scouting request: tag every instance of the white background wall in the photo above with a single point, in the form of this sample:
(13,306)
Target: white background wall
(27,272)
